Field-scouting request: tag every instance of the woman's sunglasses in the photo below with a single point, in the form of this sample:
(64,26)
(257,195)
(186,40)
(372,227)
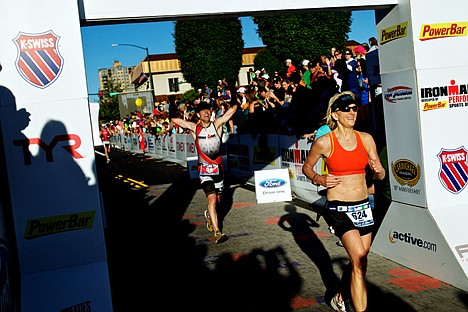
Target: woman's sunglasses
(347,109)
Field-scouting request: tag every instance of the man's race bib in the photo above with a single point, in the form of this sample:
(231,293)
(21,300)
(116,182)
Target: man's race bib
(361,215)
(209,169)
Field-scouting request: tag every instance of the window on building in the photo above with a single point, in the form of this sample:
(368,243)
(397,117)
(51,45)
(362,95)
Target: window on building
(173,84)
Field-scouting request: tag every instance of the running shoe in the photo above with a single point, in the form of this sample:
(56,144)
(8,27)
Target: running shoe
(220,237)
(209,225)
(338,305)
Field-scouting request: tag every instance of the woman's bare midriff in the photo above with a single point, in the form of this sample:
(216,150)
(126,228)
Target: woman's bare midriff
(351,189)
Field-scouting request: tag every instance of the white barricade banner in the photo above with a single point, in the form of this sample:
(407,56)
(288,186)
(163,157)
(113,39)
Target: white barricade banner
(265,152)
(158,141)
(190,146)
(181,152)
(151,145)
(165,145)
(127,142)
(171,146)
(293,155)
(146,137)
(239,156)
(135,142)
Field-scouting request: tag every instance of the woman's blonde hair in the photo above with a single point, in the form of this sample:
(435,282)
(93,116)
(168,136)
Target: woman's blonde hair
(331,108)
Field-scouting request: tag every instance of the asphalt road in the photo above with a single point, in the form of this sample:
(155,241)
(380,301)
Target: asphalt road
(278,256)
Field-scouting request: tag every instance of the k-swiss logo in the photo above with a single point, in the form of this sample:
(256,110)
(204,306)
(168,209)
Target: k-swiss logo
(39,61)
(453,172)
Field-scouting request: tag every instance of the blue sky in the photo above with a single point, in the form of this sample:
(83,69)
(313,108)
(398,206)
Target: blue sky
(99,52)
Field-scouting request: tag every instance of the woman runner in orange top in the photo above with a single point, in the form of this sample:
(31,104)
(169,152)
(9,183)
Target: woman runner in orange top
(347,152)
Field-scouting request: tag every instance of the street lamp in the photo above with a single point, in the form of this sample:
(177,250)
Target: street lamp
(151,83)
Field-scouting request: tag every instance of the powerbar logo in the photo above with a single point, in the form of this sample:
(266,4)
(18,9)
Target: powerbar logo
(441,97)
(393,32)
(52,225)
(394,237)
(80,307)
(444,30)
(435,105)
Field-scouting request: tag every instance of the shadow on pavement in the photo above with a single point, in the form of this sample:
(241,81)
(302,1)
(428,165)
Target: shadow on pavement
(300,224)
(155,264)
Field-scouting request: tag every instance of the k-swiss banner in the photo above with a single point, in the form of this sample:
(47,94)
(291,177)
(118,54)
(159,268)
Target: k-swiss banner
(39,61)
(453,171)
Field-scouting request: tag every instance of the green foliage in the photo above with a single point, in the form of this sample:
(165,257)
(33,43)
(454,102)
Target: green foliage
(109,105)
(209,50)
(189,96)
(265,59)
(303,36)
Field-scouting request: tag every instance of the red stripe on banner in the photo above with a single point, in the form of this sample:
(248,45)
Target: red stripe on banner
(456,174)
(447,181)
(32,77)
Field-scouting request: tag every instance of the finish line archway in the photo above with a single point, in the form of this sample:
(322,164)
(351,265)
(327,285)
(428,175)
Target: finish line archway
(425,102)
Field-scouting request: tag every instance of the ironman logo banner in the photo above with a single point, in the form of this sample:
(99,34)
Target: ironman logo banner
(39,61)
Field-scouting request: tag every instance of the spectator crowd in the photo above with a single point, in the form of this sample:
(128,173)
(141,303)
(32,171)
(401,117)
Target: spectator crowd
(292,101)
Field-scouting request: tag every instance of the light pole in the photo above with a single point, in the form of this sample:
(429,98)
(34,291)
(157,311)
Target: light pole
(151,84)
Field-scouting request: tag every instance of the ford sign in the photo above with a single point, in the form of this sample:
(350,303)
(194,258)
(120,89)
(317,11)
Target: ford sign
(272,183)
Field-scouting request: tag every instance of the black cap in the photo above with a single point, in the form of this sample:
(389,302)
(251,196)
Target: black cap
(203,105)
(343,101)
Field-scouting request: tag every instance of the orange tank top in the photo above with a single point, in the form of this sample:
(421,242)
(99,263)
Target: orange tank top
(342,162)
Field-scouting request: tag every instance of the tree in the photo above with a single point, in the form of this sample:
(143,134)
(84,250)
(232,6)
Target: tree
(109,105)
(303,36)
(189,96)
(265,59)
(209,50)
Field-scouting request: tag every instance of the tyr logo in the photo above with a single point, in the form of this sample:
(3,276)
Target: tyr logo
(48,148)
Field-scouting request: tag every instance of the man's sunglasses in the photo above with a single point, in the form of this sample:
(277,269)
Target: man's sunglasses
(348,108)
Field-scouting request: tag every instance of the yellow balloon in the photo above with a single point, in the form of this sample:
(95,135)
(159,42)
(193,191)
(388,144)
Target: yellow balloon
(138,102)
